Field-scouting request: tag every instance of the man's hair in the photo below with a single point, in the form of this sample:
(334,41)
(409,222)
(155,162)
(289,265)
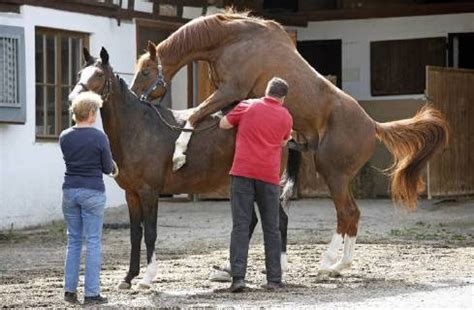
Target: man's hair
(277,88)
(83,104)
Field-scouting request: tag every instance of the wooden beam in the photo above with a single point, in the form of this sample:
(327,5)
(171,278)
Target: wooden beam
(8,7)
(287,19)
(195,3)
(87,7)
(392,11)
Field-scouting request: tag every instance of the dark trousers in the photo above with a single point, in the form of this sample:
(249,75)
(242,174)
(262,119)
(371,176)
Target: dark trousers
(244,191)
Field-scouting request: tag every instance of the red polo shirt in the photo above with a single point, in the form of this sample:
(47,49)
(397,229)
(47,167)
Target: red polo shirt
(262,125)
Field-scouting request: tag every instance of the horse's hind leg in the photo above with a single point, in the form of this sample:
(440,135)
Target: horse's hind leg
(348,215)
(338,163)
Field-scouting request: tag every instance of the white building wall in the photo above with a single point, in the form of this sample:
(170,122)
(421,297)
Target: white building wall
(179,89)
(356,36)
(31,171)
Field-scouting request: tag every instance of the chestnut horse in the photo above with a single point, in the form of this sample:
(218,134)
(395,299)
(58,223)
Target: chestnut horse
(142,139)
(243,54)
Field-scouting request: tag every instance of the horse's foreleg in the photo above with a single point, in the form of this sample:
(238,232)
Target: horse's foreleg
(218,100)
(181,145)
(135,214)
(150,216)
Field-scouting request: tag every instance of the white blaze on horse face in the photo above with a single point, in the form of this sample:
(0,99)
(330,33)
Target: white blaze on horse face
(179,159)
(86,74)
(346,260)
(150,272)
(330,256)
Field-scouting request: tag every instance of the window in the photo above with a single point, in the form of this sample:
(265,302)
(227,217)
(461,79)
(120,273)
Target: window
(280,5)
(461,49)
(12,75)
(398,67)
(325,56)
(58,58)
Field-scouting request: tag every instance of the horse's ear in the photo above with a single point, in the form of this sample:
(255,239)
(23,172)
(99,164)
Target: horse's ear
(152,50)
(87,56)
(104,56)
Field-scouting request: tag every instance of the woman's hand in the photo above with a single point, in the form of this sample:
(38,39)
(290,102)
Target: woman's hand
(114,172)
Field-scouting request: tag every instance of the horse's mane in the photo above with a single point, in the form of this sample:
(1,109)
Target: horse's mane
(208,31)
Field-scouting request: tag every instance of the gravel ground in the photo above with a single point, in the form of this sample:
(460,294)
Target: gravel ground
(402,260)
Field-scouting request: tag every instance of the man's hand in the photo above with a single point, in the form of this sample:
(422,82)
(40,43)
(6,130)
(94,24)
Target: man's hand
(225,124)
(285,142)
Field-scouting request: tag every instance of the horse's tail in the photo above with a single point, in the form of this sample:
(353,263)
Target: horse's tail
(290,176)
(412,142)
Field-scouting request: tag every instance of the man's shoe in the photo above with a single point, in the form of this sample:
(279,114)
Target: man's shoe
(95,300)
(238,285)
(71,297)
(273,286)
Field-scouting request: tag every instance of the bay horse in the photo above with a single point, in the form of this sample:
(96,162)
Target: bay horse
(142,139)
(244,53)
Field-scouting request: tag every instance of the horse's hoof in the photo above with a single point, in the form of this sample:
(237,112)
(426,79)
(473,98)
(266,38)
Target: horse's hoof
(124,285)
(334,274)
(144,286)
(217,275)
(178,162)
(324,272)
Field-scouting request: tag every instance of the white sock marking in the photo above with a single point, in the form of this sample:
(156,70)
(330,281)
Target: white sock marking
(150,271)
(346,261)
(329,257)
(284,262)
(179,159)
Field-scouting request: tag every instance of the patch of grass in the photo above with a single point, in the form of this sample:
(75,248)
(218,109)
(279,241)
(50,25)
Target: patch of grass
(422,231)
(458,237)
(11,236)
(57,228)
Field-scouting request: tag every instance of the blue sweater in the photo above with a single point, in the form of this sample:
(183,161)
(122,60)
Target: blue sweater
(86,152)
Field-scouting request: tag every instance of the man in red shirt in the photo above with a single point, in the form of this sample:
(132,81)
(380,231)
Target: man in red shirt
(263,128)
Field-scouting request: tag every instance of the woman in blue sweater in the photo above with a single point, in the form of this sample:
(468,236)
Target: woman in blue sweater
(87,155)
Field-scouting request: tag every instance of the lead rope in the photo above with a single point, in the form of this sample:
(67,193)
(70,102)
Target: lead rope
(174,127)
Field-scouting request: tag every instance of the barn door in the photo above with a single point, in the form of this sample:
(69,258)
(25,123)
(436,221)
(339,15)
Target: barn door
(452,172)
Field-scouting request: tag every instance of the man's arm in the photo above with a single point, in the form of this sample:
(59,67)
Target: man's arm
(225,124)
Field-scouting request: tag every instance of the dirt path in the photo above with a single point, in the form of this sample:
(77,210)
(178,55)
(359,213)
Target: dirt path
(422,259)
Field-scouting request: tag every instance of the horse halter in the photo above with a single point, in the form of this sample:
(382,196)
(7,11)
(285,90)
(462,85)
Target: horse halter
(159,81)
(106,89)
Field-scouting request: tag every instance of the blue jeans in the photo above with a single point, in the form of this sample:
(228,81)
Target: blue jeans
(83,211)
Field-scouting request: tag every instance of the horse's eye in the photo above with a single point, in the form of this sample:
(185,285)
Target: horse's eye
(146,72)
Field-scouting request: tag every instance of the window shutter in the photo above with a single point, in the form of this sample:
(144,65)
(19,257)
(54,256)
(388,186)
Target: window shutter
(398,67)
(12,75)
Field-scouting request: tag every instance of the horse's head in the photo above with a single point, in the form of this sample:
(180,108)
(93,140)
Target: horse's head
(149,80)
(95,76)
